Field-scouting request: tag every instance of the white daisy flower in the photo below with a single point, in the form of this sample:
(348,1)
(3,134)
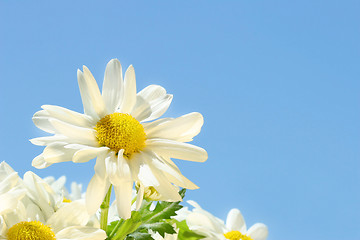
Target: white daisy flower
(115,129)
(212,227)
(27,222)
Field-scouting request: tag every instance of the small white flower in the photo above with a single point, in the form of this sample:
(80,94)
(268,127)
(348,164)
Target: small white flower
(212,227)
(115,129)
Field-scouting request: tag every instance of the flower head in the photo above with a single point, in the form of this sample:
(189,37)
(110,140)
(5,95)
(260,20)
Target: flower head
(116,130)
(212,227)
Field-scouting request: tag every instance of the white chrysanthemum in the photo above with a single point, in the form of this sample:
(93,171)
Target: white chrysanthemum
(10,188)
(27,222)
(115,129)
(213,228)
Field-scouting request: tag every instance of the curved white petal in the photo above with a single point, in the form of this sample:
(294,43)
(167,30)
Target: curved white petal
(10,200)
(159,106)
(40,163)
(95,193)
(68,116)
(129,98)
(86,136)
(160,183)
(85,96)
(258,231)
(172,172)
(85,153)
(140,196)
(81,233)
(141,109)
(41,193)
(71,214)
(173,149)
(152,92)
(181,129)
(42,141)
(56,152)
(41,120)
(112,90)
(123,193)
(5,170)
(94,93)
(100,168)
(235,221)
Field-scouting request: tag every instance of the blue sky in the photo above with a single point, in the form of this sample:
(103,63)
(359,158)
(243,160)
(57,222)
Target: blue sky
(277,83)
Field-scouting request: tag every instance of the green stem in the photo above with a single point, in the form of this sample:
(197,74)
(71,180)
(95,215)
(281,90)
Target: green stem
(105,210)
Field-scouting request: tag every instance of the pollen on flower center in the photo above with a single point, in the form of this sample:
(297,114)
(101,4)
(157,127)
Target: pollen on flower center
(121,131)
(30,231)
(236,235)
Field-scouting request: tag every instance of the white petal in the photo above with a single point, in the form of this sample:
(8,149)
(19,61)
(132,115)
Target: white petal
(42,141)
(68,116)
(112,170)
(9,182)
(181,129)
(86,136)
(95,193)
(5,170)
(41,193)
(71,214)
(150,175)
(85,96)
(152,92)
(100,168)
(81,233)
(141,109)
(87,153)
(129,99)
(10,200)
(40,163)
(112,90)
(56,152)
(140,196)
(41,120)
(123,193)
(258,231)
(159,106)
(172,172)
(94,93)
(118,168)
(173,149)
(235,221)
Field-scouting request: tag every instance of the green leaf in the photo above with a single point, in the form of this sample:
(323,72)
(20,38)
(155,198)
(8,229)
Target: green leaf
(185,233)
(139,236)
(160,227)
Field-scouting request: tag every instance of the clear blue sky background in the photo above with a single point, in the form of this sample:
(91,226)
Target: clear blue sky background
(277,83)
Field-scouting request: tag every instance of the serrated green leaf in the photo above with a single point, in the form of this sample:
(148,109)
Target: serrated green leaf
(139,236)
(160,227)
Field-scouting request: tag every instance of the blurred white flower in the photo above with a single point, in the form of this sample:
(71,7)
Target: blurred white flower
(115,129)
(58,185)
(212,227)
(28,222)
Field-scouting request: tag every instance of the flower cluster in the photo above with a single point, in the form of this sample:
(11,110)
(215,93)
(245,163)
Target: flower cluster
(133,148)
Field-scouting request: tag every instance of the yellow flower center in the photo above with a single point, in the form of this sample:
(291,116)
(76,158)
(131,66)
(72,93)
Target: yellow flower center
(121,131)
(30,231)
(66,200)
(150,193)
(236,235)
